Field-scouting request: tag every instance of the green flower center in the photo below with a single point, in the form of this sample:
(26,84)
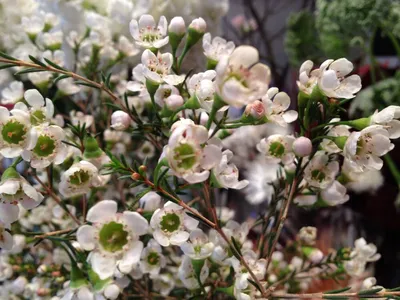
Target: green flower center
(170,222)
(276,149)
(151,37)
(318,175)
(45,146)
(37,117)
(79,177)
(153,258)
(185,155)
(13,132)
(197,249)
(113,237)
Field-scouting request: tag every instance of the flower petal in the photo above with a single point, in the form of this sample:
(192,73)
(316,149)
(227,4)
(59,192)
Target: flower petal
(136,223)
(103,210)
(103,265)
(34,98)
(86,237)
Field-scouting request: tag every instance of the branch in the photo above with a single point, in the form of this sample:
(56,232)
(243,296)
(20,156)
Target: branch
(360,295)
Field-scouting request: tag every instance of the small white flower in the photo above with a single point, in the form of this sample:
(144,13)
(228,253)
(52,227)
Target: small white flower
(139,83)
(224,213)
(13,93)
(41,111)
(202,86)
(227,174)
(277,148)
(49,147)
(147,149)
(120,120)
(187,275)
(79,118)
(157,68)
(187,157)
(52,40)
(241,79)
(364,251)
(78,179)
(126,48)
(147,34)
(335,194)
(307,79)
(333,81)
(13,191)
(164,91)
(364,148)
(33,25)
(113,238)
(335,131)
(16,134)
(6,270)
(6,239)
(276,106)
(152,259)
(171,224)
(320,172)
(308,235)
(199,247)
(217,48)
(389,118)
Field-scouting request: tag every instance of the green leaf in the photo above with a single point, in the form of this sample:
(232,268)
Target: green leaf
(159,178)
(236,245)
(338,291)
(36,61)
(6,66)
(29,70)
(2,54)
(370,291)
(60,78)
(79,82)
(54,65)
(335,297)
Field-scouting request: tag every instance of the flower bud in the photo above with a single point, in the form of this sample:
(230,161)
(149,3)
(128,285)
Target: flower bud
(316,256)
(120,120)
(174,102)
(112,291)
(203,118)
(302,146)
(199,25)
(177,26)
(255,109)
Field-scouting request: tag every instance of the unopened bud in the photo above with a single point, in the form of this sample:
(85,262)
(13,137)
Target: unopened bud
(142,168)
(177,26)
(136,176)
(255,109)
(199,25)
(316,256)
(174,102)
(302,146)
(120,120)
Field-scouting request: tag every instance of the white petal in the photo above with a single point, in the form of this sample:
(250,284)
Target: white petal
(290,116)
(9,212)
(34,98)
(161,238)
(136,223)
(4,114)
(146,21)
(103,210)
(196,177)
(178,238)
(283,100)
(7,242)
(163,25)
(329,80)
(212,155)
(31,192)
(49,108)
(190,223)
(10,187)
(104,266)
(342,66)
(134,29)
(86,237)
(132,256)
(245,56)
(306,67)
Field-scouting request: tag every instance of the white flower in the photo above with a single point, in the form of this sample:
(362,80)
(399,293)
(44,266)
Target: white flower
(163,93)
(360,182)
(276,106)
(6,270)
(217,48)
(227,174)
(307,79)
(363,148)
(308,235)
(41,111)
(164,284)
(126,48)
(49,147)
(237,231)
(241,79)
(171,224)
(199,247)
(224,213)
(79,118)
(6,239)
(139,83)
(186,156)
(187,275)
(335,194)
(78,179)
(15,132)
(277,148)
(113,238)
(333,81)
(33,25)
(67,86)
(202,86)
(389,118)
(120,120)
(52,40)
(14,190)
(157,68)
(364,251)
(335,131)
(13,93)
(147,34)
(147,149)
(152,259)
(320,172)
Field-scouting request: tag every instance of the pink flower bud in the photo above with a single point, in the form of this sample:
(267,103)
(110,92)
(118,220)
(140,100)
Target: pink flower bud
(203,118)
(302,146)
(177,26)
(120,120)
(199,25)
(255,109)
(316,256)
(173,102)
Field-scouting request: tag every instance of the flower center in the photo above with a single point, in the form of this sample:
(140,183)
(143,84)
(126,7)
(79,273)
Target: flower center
(153,258)
(113,237)
(13,132)
(317,175)
(79,177)
(45,146)
(197,248)
(185,155)
(276,149)
(149,34)
(170,222)
(167,93)
(37,117)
